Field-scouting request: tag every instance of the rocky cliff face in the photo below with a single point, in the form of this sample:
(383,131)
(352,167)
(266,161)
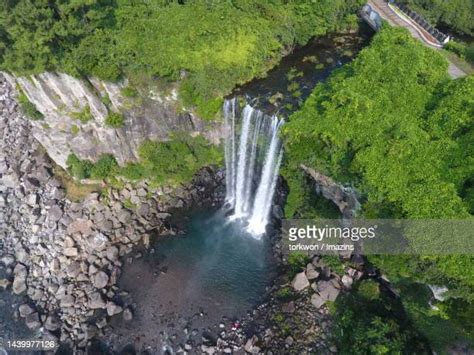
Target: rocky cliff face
(60,98)
(344,198)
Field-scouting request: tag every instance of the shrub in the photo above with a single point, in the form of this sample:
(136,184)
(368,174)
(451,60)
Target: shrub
(129,91)
(80,169)
(106,100)
(104,167)
(369,290)
(114,120)
(284,294)
(377,325)
(462,50)
(170,162)
(127,203)
(84,115)
(297,261)
(132,171)
(176,161)
(29,109)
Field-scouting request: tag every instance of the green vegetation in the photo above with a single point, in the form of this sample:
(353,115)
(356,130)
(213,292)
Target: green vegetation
(129,91)
(75,130)
(75,191)
(285,294)
(457,14)
(84,115)
(280,321)
(369,322)
(297,261)
(394,125)
(464,51)
(170,163)
(114,120)
(447,323)
(213,45)
(29,109)
(176,161)
(127,203)
(80,169)
(106,100)
(411,133)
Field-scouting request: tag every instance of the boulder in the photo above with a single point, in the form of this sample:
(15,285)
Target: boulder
(112,253)
(317,300)
(25,309)
(4,283)
(80,225)
(70,252)
(347,281)
(51,323)
(251,347)
(55,213)
(112,308)
(19,282)
(300,282)
(327,290)
(32,320)
(311,272)
(127,314)
(100,280)
(67,301)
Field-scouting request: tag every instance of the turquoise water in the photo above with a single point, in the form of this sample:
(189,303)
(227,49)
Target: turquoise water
(216,266)
(192,281)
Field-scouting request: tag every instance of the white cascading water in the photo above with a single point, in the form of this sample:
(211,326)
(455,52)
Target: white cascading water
(252,166)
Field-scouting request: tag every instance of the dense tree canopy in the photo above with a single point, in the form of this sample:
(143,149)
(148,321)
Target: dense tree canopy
(394,124)
(218,44)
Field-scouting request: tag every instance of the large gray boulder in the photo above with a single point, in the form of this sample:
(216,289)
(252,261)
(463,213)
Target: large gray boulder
(300,282)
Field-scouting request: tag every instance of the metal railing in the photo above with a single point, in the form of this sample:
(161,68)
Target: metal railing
(438,35)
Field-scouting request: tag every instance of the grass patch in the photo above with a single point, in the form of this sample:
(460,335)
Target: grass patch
(75,191)
(334,263)
(127,203)
(28,108)
(461,63)
(114,120)
(84,115)
(129,91)
(75,130)
(297,261)
(106,100)
(285,294)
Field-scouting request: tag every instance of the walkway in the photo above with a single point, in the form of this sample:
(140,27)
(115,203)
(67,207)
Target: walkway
(417,32)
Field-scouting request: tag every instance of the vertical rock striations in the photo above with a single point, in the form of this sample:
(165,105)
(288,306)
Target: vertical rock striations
(62,99)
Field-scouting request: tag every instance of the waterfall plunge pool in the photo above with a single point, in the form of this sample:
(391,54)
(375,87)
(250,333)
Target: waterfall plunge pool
(192,281)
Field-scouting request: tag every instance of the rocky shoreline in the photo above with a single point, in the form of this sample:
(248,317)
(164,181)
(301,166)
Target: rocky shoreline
(65,255)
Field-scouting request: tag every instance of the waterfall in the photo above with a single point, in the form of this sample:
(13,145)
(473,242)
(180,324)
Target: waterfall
(252,165)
